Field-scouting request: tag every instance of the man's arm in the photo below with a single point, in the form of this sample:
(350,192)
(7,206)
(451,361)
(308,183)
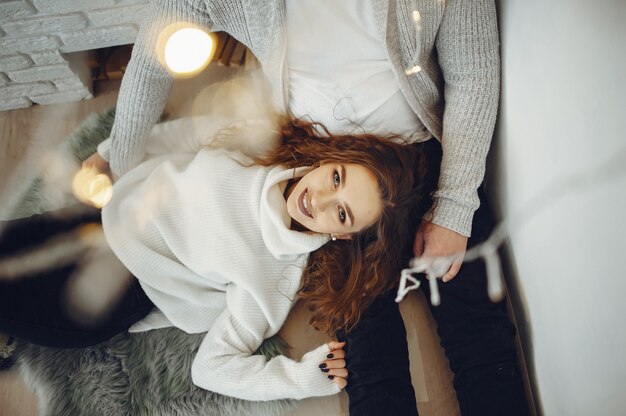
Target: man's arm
(146,83)
(468,52)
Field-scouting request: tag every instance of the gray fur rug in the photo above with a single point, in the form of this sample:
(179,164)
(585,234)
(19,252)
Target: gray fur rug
(131,374)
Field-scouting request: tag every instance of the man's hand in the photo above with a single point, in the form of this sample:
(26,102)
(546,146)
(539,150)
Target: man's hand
(433,241)
(96,162)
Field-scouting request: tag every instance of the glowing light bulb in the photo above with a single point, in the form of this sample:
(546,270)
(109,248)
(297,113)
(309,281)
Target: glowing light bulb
(188,51)
(413,70)
(435,298)
(92,187)
(495,288)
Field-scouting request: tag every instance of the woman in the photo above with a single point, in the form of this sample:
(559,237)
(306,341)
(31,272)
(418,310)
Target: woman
(220,243)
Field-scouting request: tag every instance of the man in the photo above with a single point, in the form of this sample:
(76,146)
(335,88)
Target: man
(426,69)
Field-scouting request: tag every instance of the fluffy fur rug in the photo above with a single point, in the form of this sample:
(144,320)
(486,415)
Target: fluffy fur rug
(131,374)
(51,189)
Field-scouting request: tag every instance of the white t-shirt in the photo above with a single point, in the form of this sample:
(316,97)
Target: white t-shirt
(339,73)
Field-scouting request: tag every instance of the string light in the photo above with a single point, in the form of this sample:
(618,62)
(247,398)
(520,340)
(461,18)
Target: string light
(184,49)
(58,251)
(92,187)
(488,250)
(417,19)
(414,70)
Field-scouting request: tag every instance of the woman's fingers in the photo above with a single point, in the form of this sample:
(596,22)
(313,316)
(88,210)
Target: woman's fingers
(328,364)
(335,354)
(338,372)
(334,345)
(335,365)
(341,382)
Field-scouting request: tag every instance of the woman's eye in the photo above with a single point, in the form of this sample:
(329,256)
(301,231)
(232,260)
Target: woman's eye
(336,179)
(342,215)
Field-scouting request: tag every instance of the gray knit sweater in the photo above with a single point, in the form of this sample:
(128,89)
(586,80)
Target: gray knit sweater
(455,94)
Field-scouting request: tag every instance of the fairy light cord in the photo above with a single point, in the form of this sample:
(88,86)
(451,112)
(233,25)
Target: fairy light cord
(488,250)
(417,20)
(612,169)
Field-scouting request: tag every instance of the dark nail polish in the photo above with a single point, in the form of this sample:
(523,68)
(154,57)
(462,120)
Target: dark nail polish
(325,370)
(323,365)
(331,377)
(330,356)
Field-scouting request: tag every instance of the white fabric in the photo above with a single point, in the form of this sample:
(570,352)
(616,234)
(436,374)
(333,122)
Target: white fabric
(339,72)
(210,243)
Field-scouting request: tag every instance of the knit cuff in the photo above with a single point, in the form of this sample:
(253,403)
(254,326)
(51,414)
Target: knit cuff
(121,165)
(104,149)
(311,376)
(451,215)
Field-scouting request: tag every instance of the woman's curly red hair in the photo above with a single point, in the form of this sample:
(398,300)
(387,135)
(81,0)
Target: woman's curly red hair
(343,277)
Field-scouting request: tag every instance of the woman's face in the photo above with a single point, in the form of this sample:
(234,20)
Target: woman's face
(336,198)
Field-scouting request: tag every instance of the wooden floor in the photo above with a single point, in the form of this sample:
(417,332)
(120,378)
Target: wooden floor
(25,135)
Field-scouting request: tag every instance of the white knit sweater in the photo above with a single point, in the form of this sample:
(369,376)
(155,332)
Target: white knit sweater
(209,240)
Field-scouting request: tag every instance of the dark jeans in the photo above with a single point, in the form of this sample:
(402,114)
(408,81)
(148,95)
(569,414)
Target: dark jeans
(477,335)
(32,307)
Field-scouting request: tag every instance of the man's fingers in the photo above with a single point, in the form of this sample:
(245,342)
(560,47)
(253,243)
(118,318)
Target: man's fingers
(418,245)
(454,270)
(95,161)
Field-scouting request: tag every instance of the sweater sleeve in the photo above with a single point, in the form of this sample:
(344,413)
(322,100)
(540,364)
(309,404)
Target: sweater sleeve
(146,83)
(468,52)
(188,134)
(225,362)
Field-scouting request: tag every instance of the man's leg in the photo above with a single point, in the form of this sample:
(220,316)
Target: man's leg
(377,357)
(33,306)
(479,338)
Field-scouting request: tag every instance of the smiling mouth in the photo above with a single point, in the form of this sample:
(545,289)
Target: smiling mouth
(304,204)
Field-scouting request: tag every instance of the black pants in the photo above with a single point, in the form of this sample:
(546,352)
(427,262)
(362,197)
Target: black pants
(33,308)
(477,335)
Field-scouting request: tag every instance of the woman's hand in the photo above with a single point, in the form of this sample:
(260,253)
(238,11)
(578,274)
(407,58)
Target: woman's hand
(432,241)
(335,365)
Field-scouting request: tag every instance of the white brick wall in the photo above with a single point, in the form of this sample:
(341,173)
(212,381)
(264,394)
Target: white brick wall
(16,90)
(45,25)
(41,73)
(3,80)
(49,57)
(95,38)
(64,6)
(35,35)
(14,62)
(10,10)
(113,16)
(14,103)
(10,45)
